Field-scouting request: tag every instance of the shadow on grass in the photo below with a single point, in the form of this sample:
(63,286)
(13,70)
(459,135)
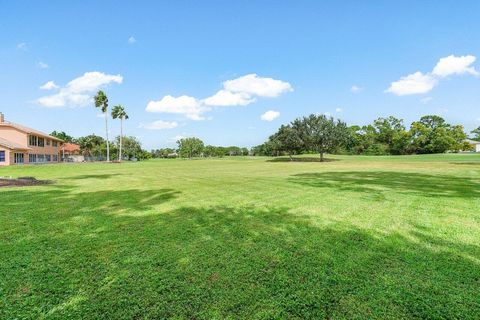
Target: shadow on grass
(75,256)
(301,159)
(402,182)
(93,176)
(467,163)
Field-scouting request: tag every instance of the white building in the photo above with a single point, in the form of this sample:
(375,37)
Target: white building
(474,144)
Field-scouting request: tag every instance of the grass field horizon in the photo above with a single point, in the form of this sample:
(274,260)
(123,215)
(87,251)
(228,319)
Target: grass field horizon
(364,237)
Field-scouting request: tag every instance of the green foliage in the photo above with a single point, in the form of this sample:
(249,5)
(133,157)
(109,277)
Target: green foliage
(288,139)
(91,145)
(433,135)
(476,134)
(190,147)
(118,112)
(322,134)
(62,135)
(132,148)
(101,101)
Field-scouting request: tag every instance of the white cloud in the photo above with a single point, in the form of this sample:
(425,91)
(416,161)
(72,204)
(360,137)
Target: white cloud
(78,92)
(338,110)
(42,65)
(188,106)
(413,84)
(426,100)
(159,125)
(254,85)
(455,65)
(355,89)
(22,46)
(132,40)
(50,85)
(100,115)
(228,98)
(237,92)
(418,82)
(270,115)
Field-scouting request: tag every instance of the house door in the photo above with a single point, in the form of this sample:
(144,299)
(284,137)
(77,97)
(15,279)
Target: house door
(18,157)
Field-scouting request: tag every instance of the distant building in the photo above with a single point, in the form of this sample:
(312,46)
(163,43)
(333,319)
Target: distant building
(474,144)
(22,145)
(70,152)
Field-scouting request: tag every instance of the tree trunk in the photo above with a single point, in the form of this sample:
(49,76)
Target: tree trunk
(106,132)
(290,155)
(121,140)
(321,157)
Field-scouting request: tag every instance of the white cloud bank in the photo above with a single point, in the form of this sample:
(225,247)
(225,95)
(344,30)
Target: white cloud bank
(418,83)
(241,91)
(270,115)
(228,98)
(159,125)
(77,92)
(452,65)
(188,106)
(414,83)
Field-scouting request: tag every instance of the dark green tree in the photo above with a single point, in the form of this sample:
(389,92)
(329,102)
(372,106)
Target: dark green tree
(475,132)
(321,134)
(190,147)
(62,135)
(287,139)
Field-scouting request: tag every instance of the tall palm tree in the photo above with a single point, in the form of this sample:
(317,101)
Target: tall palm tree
(118,112)
(101,101)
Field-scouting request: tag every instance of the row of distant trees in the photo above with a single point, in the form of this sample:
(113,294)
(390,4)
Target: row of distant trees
(194,147)
(321,134)
(314,133)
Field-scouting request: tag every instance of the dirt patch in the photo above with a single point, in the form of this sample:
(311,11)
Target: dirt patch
(22,182)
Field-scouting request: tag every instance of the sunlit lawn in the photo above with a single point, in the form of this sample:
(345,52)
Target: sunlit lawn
(358,237)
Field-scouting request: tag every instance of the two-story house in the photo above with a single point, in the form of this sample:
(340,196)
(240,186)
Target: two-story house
(22,145)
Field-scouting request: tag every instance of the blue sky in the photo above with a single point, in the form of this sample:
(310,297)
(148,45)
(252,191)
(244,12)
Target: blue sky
(291,58)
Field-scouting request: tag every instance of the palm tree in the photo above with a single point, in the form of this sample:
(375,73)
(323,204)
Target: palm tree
(118,112)
(101,101)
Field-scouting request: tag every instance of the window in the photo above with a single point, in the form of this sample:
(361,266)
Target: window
(48,158)
(48,142)
(2,156)
(40,158)
(54,143)
(32,140)
(32,158)
(41,142)
(18,157)
(55,158)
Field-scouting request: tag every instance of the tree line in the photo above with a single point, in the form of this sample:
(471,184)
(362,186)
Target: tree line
(195,147)
(385,136)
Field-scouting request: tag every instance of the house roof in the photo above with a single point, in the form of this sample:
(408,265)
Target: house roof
(472,141)
(12,145)
(28,130)
(70,147)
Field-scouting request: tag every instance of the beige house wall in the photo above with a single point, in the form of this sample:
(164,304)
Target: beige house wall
(14,135)
(22,138)
(7,156)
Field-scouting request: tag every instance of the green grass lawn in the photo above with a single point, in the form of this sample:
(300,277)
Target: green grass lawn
(250,238)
